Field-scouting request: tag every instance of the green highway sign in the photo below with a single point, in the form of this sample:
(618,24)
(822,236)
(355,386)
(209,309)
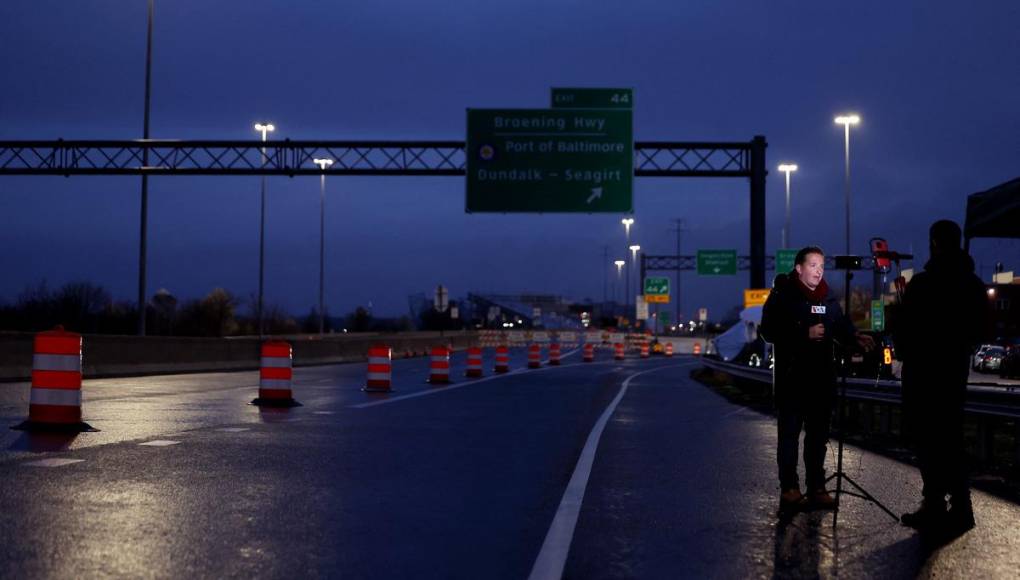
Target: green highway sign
(784,260)
(592,98)
(657,289)
(717,262)
(549,160)
(877,315)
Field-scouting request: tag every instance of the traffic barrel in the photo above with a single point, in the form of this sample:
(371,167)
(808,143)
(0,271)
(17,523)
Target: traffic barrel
(554,354)
(644,350)
(380,369)
(697,348)
(474,362)
(534,356)
(55,400)
(275,375)
(502,360)
(669,349)
(618,351)
(589,352)
(439,366)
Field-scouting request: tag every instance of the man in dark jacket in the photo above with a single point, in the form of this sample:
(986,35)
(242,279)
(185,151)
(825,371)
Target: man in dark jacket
(941,318)
(805,324)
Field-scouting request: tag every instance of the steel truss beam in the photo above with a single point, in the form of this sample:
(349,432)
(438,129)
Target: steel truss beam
(173,157)
(669,263)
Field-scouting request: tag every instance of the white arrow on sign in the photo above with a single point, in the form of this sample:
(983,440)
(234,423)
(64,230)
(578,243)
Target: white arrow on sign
(596,192)
(716,269)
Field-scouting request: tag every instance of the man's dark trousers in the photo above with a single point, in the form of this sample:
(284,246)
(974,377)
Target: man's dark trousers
(813,414)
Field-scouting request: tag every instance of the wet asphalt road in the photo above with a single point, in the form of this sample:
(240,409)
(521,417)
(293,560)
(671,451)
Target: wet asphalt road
(463,482)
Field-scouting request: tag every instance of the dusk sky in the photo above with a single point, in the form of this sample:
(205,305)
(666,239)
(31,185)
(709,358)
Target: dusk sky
(937,85)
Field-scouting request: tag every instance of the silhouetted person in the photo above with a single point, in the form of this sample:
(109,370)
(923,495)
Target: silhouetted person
(805,324)
(942,316)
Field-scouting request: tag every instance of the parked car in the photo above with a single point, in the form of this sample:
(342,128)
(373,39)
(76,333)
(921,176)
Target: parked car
(975,362)
(1009,368)
(991,359)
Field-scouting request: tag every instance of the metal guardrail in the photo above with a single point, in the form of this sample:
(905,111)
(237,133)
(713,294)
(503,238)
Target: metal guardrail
(982,398)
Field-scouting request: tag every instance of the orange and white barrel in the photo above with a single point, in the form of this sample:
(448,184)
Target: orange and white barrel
(697,348)
(439,366)
(502,360)
(589,352)
(275,375)
(554,354)
(669,349)
(618,351)
(380,369)
(55,400)
(474,362)
(644,350)
(534,356)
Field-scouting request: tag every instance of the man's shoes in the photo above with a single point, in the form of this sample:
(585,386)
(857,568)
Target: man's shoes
(791,499)
(929,516)
(958,520)
(820,499)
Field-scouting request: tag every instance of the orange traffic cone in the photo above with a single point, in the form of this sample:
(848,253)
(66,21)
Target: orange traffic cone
(380,369)
(589,352)
(55,401)
(618,351)
(502,360)
(275,375)
(439,366)
(554,354)
(534,356)
(474,362)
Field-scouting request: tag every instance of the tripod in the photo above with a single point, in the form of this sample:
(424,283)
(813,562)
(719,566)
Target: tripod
(840,476)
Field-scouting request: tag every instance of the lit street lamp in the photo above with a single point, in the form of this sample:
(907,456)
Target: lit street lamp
(323,164)
(633,258)
(619,271)
(846,121)
(265,129)
(787,168)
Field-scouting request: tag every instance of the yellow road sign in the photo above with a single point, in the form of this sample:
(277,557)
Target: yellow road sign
(755,297)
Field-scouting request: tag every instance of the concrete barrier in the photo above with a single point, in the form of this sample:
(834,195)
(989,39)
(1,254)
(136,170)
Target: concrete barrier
(112,356)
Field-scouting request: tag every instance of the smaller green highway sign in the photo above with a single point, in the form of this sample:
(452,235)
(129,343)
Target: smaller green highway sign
(656,285)
(592,98)
(717,262)
(657,289)
(877,315)
(784,260)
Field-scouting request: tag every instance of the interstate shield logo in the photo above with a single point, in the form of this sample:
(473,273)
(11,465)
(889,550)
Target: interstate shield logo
(487,152)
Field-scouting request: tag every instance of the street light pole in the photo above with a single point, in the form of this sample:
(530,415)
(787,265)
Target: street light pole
(619,274)
(265,129)
(787,168)
(323,164)
(846,121)
(144,233)
(627,222)
(633,259)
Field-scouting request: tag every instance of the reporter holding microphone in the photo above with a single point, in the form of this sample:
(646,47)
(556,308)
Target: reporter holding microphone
(804,322)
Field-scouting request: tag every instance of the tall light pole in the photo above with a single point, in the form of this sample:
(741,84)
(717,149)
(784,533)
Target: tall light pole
(787,168)
(265,129)
(323,164)
(619,273)
(144,233)
(633,258)
(846,121)
(627,222)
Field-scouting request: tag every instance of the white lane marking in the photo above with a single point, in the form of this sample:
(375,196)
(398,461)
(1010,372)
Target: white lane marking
(553,555)
(467,383)
(322,412)
(234,429)
(53,462)
(159,443)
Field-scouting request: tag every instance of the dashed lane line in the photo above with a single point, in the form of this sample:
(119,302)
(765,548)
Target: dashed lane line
(159,443)
(53,462)
(553,555)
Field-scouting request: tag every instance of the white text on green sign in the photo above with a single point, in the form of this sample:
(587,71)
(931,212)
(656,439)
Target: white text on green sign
(545,160)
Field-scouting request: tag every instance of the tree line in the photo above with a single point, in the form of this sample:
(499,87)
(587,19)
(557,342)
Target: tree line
(90,309)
